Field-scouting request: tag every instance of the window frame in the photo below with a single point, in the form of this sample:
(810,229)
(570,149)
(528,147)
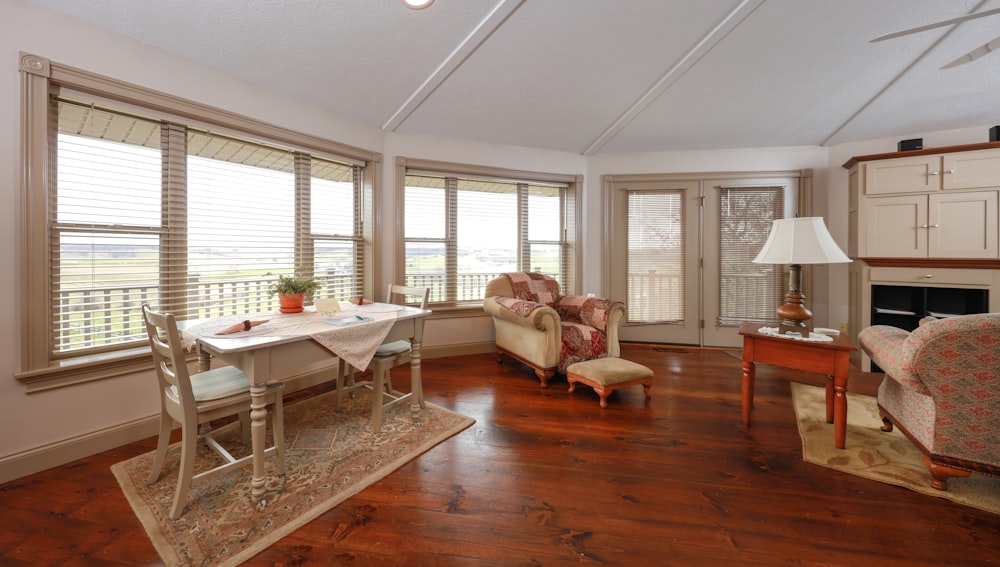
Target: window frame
(41,79)
(572,217)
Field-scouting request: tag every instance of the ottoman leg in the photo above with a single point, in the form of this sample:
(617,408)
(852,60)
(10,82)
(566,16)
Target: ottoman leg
(646,386)
(603,393)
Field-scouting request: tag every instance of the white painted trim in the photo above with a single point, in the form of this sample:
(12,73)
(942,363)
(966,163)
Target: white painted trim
(68,450)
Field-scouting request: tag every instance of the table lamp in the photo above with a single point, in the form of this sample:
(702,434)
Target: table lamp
(798,241)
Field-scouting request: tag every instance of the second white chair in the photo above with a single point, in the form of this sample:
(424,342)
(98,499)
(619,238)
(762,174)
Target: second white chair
(387,357)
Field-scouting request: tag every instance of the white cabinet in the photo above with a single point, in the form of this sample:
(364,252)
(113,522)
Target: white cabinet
(923,234)
(942,225)
(970,170)
(936,204)
(948,171)
(902,175)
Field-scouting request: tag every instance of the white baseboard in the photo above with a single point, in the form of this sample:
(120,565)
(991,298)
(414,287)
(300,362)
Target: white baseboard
(68,450)
(458,349)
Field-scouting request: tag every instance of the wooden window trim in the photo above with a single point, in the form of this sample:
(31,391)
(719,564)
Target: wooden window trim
(41,78)
(572,225)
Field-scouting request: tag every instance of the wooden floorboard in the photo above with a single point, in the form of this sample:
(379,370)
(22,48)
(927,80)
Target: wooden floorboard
(545,477)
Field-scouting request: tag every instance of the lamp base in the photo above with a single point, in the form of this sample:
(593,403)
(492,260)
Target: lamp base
(796,327)
(794,316)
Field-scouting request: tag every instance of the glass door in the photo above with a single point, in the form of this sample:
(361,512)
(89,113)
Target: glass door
(654,262)
(737,220)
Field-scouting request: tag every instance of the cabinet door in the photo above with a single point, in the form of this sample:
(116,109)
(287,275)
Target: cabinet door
(893,227)
(965,170)
(962,225)
(903,175)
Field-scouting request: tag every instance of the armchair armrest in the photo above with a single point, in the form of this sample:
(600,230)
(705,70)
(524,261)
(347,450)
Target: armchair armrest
(891,349)
(598,312)
(525,313)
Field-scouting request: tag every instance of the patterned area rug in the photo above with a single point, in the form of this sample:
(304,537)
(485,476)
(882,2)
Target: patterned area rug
(874,454)
(330,456)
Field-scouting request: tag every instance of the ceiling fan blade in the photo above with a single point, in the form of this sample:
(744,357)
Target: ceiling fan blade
(957,20)
(975,54)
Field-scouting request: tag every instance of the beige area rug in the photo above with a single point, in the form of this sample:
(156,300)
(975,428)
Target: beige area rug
(874,454)
(330,456)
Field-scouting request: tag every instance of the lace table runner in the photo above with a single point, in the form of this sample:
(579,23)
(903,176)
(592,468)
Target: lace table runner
(356,343)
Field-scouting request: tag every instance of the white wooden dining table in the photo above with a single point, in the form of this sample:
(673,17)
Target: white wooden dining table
(290,344)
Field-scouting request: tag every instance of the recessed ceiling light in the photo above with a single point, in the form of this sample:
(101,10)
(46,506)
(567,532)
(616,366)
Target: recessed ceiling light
(418,4)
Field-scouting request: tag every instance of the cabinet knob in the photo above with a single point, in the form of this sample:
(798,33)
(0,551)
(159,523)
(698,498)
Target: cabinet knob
(928,276)
(934,173)
(949,171)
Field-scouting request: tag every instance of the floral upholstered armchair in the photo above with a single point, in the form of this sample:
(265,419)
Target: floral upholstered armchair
(548,331)
(942,389)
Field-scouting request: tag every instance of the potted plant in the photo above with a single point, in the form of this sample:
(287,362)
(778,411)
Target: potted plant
(292,291)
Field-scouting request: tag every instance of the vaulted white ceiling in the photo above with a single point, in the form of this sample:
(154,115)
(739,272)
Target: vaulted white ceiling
(595,76)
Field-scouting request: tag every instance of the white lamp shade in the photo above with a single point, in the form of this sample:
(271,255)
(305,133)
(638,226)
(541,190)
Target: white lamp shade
(802,240)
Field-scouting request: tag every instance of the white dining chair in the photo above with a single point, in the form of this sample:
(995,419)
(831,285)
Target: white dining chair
(387,357)
(195,399)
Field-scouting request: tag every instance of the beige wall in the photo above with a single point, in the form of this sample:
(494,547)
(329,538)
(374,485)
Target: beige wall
(65,423)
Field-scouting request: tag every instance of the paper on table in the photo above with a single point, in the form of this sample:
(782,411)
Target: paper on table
(344,320)
(328,305)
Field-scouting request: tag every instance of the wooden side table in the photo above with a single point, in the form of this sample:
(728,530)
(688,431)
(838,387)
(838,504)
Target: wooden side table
(828,358)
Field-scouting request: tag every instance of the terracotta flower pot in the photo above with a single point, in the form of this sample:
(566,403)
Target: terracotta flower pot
(292,303)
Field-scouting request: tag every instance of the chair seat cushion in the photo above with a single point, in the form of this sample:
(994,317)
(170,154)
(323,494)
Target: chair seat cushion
(393,348)
(219,383)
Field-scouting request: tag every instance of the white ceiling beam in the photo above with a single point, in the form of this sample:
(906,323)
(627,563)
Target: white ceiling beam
(465,49)
(699,50)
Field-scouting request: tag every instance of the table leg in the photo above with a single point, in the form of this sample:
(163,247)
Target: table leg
(204,363)
(829,399)
(258,428)
(840,376)
(416,385)
(749,377)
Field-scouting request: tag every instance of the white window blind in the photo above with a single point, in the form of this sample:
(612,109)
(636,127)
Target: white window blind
(105,234)
(655,282)
(461,232)
(747,291)
(545,251)
(240,223)
(335,228)
(487,235)
(193,222)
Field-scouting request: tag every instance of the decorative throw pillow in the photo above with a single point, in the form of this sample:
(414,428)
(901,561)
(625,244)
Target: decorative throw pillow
(532,286)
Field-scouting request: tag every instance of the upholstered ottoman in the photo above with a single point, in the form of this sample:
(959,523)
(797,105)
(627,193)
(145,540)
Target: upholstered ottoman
(605,375)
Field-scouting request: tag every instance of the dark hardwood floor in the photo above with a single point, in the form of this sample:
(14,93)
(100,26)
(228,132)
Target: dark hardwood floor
(545,477)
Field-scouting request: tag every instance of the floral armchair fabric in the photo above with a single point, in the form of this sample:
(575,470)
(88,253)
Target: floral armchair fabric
(942,389)
(548,331)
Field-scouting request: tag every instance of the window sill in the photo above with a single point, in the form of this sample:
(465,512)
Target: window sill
(456,311)
(86,369)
